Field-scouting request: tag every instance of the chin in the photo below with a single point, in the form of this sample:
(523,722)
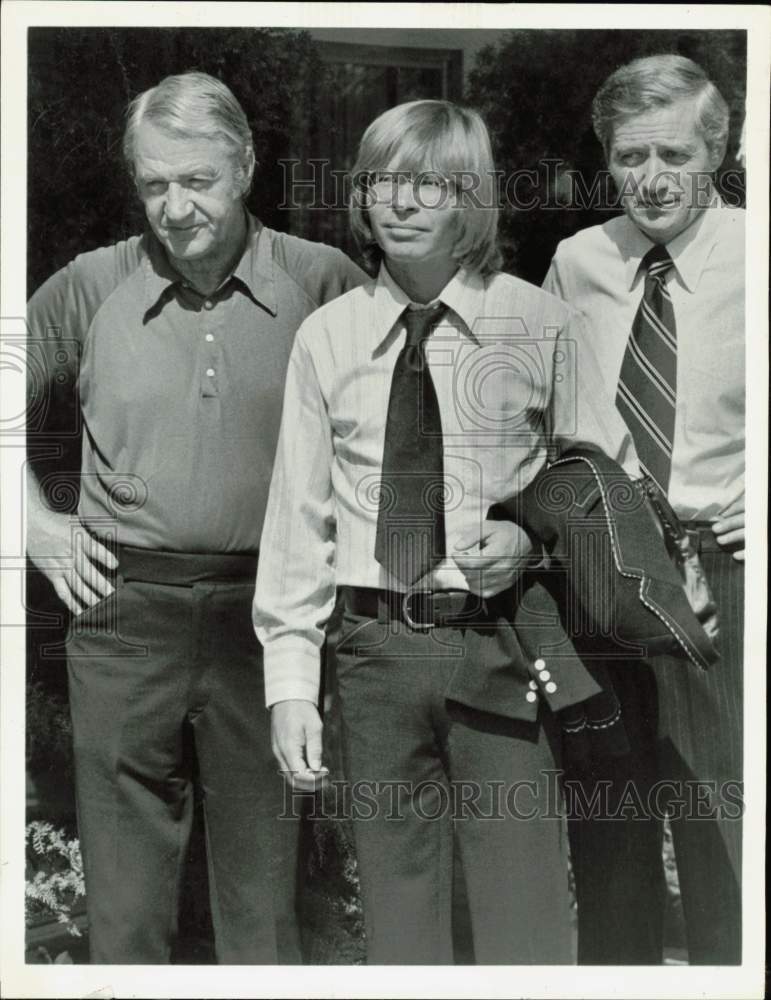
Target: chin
(190,251)
(663,229)
(405,252)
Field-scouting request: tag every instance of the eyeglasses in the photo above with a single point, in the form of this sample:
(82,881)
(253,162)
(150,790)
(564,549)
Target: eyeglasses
(429,188)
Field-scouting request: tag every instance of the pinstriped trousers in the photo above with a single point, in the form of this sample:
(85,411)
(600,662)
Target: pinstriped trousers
(685,729)
(410,748)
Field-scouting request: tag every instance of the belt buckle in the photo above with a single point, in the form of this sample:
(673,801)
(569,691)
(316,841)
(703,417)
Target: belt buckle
(416,626)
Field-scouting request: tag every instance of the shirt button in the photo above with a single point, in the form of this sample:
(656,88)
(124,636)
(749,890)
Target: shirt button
(208,304)
(539,664)
(551,687)
(209,337)
(545,675)
(210,372)
(533,686)
(531,696)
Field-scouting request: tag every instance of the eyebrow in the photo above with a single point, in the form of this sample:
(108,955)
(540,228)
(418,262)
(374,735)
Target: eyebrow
(194,171)
(631,145)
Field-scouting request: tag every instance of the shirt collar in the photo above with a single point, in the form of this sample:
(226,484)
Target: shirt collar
(689,250)
(159,275)
(254,269)
(463,294)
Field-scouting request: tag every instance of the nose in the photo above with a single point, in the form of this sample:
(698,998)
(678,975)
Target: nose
(178,206)
(404,196)
(657,177)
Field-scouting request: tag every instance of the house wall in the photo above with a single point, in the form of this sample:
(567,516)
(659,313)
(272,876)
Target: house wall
(469,41)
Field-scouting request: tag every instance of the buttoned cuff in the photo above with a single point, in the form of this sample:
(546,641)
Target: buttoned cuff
(561,682)
(292,670)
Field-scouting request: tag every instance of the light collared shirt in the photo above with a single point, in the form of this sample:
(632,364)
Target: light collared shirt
(514,376)
(179,394)
(598,271)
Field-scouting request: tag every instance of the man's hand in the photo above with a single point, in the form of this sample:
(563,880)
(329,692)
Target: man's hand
(492,561)
(729,527)
(296,739)
(72,559)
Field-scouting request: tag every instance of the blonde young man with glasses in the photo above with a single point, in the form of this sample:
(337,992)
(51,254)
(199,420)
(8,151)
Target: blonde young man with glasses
(412,406)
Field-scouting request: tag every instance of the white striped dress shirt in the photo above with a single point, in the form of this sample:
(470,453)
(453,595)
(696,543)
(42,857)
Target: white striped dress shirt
(513,372)
(598,272)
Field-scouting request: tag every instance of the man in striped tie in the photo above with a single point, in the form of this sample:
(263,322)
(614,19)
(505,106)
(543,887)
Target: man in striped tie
(662,288)
(647,384)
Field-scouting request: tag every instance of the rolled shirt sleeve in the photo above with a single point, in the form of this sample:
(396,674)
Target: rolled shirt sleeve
(295,590)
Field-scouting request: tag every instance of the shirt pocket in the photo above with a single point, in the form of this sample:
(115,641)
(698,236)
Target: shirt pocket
(500,392)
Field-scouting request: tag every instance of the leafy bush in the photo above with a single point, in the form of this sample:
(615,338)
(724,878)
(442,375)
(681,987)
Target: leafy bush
(54,875)
(49,732)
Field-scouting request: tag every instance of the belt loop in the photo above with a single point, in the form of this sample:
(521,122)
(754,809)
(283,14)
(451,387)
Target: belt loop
(383,610)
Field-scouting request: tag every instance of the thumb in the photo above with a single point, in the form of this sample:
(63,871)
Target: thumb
(468,539)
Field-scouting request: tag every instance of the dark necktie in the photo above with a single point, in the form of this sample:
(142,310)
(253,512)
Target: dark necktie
(647,385)
(410,536)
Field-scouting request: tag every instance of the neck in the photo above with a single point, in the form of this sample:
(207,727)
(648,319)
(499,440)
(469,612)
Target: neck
(423,282)
(207,274)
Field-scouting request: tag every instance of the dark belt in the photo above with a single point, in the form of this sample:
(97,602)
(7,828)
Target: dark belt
(184,568)
(422,610)
(703,537)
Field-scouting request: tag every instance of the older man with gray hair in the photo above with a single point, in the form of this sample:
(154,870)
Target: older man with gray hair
(662,288)
(182,337)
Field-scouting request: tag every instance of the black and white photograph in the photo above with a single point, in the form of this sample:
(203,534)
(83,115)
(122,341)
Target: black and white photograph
(384,584)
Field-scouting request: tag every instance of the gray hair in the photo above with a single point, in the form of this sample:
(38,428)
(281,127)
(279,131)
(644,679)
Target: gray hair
(192,105)
(656,82)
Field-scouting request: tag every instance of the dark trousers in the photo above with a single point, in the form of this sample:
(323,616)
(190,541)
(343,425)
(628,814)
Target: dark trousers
(685,728)
(162,674)
(412,759)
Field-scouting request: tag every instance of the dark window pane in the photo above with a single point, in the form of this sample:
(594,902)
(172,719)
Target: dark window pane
(353,94)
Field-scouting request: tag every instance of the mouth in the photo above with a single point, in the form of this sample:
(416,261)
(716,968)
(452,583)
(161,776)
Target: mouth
(396,228)
(182,230)
(659,204)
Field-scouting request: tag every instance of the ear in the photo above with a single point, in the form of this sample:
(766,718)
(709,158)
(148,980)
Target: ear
(716,157)
(247,169)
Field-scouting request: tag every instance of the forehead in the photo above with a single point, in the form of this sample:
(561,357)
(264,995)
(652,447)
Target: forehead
(673,125)
(411,165)
(156,149)
(418,149)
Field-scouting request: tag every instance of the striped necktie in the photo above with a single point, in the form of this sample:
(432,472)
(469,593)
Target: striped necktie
(647,385)
(410,537)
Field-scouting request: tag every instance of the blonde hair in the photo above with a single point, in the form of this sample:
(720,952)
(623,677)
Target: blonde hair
(440,137)
(192,105)
(655,82)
